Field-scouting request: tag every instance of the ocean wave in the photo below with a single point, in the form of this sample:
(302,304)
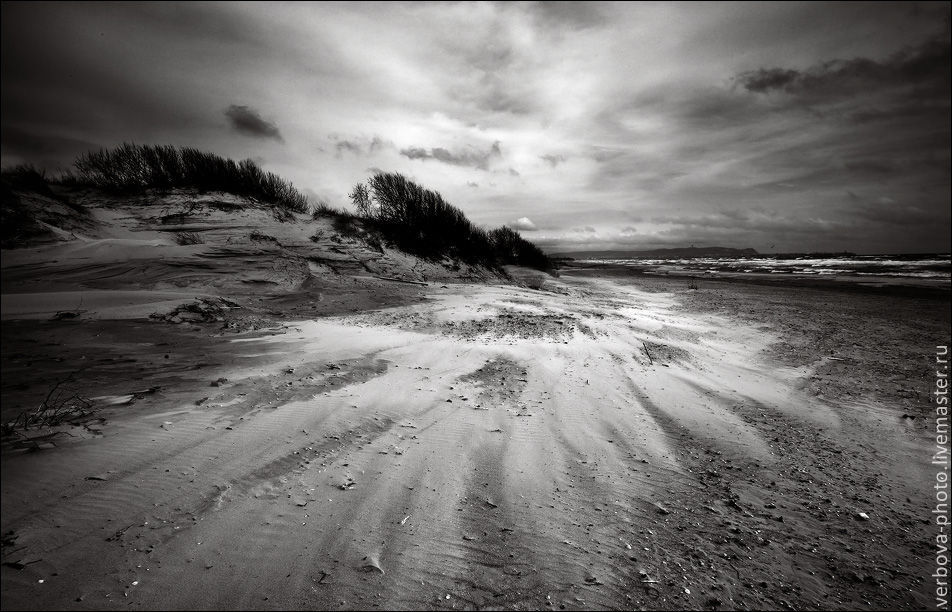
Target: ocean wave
(931,267)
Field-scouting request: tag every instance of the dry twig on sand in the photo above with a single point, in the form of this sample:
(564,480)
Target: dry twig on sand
(401,280)
(647,353)
(61,404)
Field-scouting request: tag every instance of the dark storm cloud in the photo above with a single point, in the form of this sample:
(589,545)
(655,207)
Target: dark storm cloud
(875,218)
(792,140)
(927,64)
(468,157)
(885,211)
(569,15)
(78,74)
(77,77)
(49,151)
(247,121)
(766,79)
(743,223)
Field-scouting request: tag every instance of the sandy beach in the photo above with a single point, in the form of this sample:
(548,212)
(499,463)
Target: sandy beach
(603,441)
(475,305)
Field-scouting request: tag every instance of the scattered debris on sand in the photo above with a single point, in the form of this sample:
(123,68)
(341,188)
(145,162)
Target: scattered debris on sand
(202,310)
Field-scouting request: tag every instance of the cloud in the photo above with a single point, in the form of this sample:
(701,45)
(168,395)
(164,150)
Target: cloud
(765,79)
(886,211)
(468,157)
(359,145)
(346,146)
(672,110)
(553,160)
(49,151)
(524,224)
(571,15)
(246,120)
(928,63)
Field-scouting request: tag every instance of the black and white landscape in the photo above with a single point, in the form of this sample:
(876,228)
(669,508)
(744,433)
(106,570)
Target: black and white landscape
(475,305)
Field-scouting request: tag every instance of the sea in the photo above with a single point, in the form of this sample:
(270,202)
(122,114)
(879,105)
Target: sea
(931,269)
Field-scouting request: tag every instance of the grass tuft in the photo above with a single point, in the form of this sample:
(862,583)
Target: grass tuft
(25,177)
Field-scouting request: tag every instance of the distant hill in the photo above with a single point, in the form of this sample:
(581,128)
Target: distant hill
(682,253)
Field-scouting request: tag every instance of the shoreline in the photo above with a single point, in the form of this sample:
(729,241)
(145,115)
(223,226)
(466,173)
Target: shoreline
(908,286)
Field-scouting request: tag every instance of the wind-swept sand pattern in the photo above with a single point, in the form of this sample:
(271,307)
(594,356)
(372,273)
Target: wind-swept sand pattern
(587,446)
(474,305)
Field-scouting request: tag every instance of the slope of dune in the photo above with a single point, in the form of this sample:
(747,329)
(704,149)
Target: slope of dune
(125,253)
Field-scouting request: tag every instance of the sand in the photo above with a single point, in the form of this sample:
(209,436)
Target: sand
(604,442)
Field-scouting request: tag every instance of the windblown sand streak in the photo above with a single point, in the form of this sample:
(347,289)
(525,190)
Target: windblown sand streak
(502,447)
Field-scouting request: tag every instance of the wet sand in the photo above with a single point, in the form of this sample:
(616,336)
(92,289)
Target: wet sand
(604,442)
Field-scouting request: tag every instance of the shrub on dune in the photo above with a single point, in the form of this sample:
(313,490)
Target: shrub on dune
(25,177)
(131,168)
(420,221)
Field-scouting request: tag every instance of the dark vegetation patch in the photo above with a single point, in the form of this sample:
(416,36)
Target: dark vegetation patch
(257,236)
(186,238)
(202,310)
(348,226)
(517,324)
(181,216)
(134,169)
(26,177)
(323,209)
(222,205)
(419,221)
(28,204)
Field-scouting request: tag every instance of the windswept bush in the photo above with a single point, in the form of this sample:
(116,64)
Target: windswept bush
(25,177)
(420,221)
(131,168)
(360,196)
(322,209)
(512,247)
(23,217)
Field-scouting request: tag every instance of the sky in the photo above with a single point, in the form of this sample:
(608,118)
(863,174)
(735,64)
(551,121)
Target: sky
(785,127)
